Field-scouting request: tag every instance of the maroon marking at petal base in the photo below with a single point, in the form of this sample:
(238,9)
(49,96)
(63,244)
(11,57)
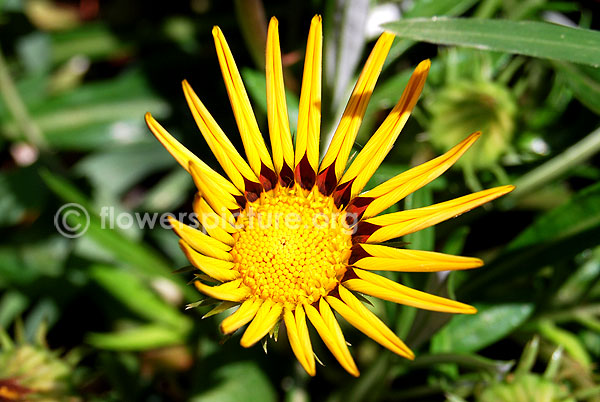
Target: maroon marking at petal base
(357,253)
(286,176)
(364,230)
(326,180)
(342,193)
(350,274)
(241,200)
(335,292)
(268,178)
(358,206)
(9,388)
(253,190)
(305,174)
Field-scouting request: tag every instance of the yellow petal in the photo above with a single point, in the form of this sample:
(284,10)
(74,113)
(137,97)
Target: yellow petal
(332,336)
(404,222)
(345,134)
(230,291)
(304,356)
(222,202)
(233,164)
(277,114)
(382,258)
(302,327)
(213,267)
(395,189)
(201,242)
(254,144)
(267,316)
(383,288)
(364,320)
(241,316)
(184,156)
(215,225)
(376,149)
(309,112)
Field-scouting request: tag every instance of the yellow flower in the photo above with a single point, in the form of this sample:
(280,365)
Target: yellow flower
(289,237)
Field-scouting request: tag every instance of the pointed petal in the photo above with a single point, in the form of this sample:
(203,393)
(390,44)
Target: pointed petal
(230,291)
(200,242)
(302,354)
(215,268)
(241,316)
(364,320)
(215,225)
(345,134)
(383,288)
(233,164)
(404,222)
(374,257)
(395,189)
(309,114)
(304,337)
(277,113)
(184,156)
(376,149)
(267,316)
(222,202)
(254,144)
(332,336)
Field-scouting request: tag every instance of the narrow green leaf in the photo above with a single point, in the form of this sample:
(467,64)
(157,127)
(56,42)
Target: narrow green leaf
(257,87)
(143,337)
(237,381)
(137,296)
(580,213)
(470,333)
(584,81)
(146,261)
(555,236)
(530,38)
(423,239)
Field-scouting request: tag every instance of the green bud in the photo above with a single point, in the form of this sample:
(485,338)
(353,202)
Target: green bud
(33,372)
(464,107)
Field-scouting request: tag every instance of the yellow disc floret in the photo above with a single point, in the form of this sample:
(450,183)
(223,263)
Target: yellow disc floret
(292,246)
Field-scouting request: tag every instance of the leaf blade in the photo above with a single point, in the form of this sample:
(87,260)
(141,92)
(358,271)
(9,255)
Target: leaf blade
(530,38)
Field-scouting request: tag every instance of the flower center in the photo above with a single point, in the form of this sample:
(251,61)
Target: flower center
(293,246)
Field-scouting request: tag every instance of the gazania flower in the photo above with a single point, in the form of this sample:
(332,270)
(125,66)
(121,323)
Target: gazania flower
(294,239)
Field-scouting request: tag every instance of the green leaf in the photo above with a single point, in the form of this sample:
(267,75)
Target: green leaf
(169,193)
(555,236)
(95,41)
(21,194)
(579,213)
(12,304)
(143,337)
(238,381)
(117,170)
(427,8)
(94,115)
(257,87)
(423,239)
(138,297)
(142,258)
(343,45)
(530,38)
(470,333)
(584,81)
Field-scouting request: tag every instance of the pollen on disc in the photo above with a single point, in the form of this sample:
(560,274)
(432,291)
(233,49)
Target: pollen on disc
(292,247)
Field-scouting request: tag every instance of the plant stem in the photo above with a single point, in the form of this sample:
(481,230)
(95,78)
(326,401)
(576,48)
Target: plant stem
(572,156)
(8,90)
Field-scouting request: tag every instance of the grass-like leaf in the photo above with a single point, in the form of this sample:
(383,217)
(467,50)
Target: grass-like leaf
(530,38)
